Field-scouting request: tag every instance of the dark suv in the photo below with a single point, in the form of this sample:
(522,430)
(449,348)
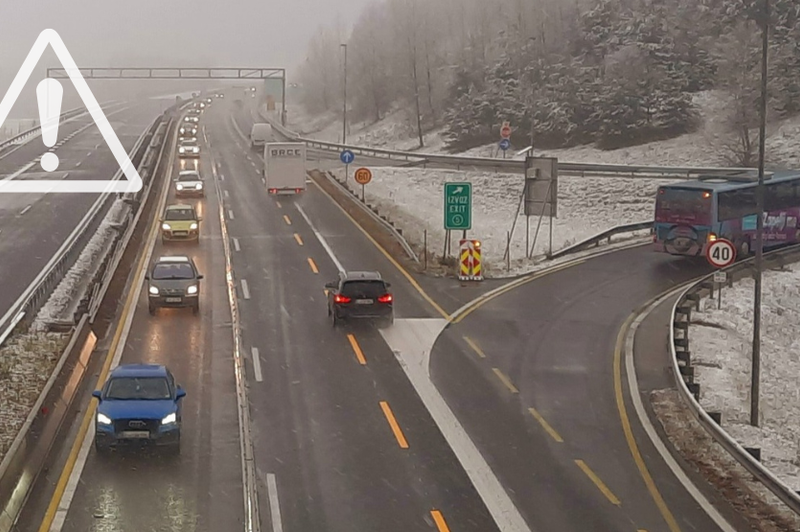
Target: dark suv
(360,295)
(173,282)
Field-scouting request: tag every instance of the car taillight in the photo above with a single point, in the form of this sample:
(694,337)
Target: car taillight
(273,191)
(385,299)
(341,299)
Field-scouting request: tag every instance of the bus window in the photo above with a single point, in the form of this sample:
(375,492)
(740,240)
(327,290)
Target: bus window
(683,205)
(737,204)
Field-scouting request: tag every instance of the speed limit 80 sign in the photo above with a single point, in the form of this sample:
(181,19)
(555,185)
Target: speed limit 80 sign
(721,253)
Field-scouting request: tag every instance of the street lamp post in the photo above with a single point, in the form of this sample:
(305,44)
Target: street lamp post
(344,104)
(755,376)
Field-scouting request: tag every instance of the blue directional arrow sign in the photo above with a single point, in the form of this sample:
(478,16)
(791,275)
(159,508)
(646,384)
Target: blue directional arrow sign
(347,156)
(505,144)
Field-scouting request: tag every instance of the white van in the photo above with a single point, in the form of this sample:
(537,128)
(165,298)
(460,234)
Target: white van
(259,136)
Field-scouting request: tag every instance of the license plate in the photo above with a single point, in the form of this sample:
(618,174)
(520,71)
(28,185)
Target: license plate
(180,233)
(136,434)
(173,300)
(363,301)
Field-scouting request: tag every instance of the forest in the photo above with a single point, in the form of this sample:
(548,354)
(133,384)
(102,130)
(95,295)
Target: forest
(612,73)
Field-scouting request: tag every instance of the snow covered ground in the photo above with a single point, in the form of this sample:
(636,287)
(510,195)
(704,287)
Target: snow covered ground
(721,346)
(61,304)
(26,363)
(413,199)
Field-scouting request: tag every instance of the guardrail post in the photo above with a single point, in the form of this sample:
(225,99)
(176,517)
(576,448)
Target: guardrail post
(755,452)
(716,416)
(694,389)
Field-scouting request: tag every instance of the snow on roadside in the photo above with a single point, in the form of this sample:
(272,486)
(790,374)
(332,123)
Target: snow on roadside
(26,363)
(63,299)
(413,199)
(721,346)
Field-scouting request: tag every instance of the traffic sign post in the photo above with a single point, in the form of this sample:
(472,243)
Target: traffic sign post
(458,206)
(721,253)
(504,145)
(720,278)
(362,177)
(347,157)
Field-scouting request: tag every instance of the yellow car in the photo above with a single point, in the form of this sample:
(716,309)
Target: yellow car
(180,222)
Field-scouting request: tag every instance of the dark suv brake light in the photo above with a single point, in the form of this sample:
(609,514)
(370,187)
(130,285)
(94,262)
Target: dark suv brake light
(338,298)
(385,299)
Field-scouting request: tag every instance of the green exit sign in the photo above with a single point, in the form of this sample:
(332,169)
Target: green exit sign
(458,206)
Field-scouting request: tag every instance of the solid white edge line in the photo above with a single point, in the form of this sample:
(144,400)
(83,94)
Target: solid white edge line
(274,503)
(245,289)
(20,171)
(644,419)
(256,364)
(321,239)
(236,244)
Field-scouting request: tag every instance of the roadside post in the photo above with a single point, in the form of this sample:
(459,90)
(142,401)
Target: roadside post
(720,254)
(505,136)
(720,278)
(470,260)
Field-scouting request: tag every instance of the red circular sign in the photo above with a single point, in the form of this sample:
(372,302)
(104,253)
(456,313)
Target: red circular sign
(505,131)
(721,253)
(363,176)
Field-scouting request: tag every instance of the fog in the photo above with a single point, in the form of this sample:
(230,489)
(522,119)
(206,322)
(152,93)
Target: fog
(168,33)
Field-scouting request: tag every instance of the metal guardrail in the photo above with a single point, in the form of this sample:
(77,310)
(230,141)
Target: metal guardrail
(25,458)
(595,240)
(684,372)
(509,165)
(66,115)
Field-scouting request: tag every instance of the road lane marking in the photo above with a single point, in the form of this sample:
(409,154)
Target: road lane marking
(230,214)
(475,347)
(67,484)
(256,364)
(26,209)
(278,203)
(313,265)
(274,503)
(438,518)
(298,239)
(66,175)
(236,244)
(505,380)
(388,256)
(545,425)
(245,289)
(320,238)
(286,219)
(356,348)
(629,329)
(89,154)
(78,163)
(20,171)
(398,433)
(599,483)
(227,195)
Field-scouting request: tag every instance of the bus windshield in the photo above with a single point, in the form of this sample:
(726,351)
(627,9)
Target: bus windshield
(683,205)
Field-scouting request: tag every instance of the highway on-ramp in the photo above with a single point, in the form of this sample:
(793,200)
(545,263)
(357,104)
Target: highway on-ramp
(34,226)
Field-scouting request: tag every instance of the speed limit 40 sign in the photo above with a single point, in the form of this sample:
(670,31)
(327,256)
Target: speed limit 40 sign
(721,253)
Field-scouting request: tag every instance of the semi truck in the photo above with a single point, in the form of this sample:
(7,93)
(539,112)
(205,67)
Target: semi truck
(285,167)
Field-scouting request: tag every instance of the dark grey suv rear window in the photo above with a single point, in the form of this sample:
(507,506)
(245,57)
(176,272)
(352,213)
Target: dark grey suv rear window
(173,271)
(364,289)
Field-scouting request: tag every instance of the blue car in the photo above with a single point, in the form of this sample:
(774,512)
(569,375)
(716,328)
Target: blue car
(139,404)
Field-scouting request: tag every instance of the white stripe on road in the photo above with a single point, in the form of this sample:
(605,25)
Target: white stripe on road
(274,504)
(20,171)
(66,175)
(236,244)
(26,209)
(245,289)
(78,163)
(230,214)
(320,238)
(256,364)
(226,194)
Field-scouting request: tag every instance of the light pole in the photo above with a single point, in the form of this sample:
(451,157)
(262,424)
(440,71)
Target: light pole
(755,376)
(344,104)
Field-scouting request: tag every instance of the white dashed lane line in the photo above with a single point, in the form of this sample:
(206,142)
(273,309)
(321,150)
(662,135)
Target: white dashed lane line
(256,364)
(245,289)
(236,244)
(26,209)
(230,214)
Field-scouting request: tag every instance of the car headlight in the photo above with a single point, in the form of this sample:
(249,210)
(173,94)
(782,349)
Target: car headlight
(181,150)
(154,290)
(199,186)
(192,289)
(179,187)
(193,226)
(196,150)
(171,418)
(103,419)
(166,227)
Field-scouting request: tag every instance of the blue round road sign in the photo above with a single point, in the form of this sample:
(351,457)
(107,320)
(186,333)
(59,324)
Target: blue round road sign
(505,144)
(347,157)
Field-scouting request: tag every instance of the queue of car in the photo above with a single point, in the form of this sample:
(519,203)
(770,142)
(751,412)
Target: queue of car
(140,404)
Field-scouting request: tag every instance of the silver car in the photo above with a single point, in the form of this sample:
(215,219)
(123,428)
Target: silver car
(173,281)
(189,183)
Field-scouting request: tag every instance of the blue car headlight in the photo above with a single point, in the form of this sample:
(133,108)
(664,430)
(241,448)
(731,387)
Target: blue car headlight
(171,418)
(103,419)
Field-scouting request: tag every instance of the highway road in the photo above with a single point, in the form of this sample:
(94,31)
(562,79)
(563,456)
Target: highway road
(322,418)
(33,226)
(537,365)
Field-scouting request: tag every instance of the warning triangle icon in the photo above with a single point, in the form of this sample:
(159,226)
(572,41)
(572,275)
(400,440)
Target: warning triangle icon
(132,183)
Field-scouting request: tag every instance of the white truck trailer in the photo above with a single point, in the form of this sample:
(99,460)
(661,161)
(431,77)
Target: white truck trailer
(285,167)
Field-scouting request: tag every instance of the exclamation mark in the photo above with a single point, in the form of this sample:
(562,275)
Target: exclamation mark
(49,93)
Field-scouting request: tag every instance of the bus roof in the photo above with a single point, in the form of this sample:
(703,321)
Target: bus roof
(721,183)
